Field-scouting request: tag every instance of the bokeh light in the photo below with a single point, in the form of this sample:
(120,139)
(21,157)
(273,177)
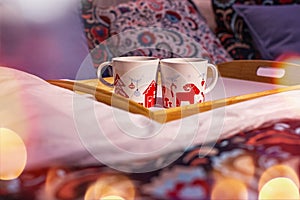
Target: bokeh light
(111,185)
(279,188)
(13,155)
(285,61)
(229,188)
(112,198)
(278,171)
(290,58)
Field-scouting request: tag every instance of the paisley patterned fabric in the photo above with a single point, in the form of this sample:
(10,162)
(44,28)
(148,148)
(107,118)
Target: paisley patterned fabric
(154,28)
(233,31)
(237,164)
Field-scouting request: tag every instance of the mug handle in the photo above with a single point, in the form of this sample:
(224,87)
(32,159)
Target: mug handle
(100,68)
(215,78)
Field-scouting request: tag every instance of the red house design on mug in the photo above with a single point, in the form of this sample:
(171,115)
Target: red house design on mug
(149,95)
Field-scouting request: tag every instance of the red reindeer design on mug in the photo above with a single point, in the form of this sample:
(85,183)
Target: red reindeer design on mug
(189,95)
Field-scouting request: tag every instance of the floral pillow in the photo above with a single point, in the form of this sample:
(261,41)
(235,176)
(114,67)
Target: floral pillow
(232,30)
(154,28)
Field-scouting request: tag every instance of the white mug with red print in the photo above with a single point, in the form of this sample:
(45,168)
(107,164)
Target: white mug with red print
(184,80)
(134,78)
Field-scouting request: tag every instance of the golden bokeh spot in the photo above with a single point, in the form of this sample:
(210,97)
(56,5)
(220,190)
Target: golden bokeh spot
(111,185)
(278,171)
(112,198)
(279,189)
(13,154)
(229,188)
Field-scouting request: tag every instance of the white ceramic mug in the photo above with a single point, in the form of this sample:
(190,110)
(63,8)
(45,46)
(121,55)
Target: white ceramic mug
(184,80)
(134,78)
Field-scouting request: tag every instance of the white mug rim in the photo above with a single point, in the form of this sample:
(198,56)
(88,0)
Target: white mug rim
(183,60)
(134,59)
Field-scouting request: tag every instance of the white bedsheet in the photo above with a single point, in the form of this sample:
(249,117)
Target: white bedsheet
(59,126)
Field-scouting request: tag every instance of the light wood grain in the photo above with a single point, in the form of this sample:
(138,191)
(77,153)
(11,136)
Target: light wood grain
(245,70)
(102,95)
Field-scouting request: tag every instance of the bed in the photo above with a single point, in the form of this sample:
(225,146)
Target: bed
(142,158)
(79,146)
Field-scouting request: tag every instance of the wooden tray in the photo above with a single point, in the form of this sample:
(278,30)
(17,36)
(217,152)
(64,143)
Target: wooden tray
(239,69)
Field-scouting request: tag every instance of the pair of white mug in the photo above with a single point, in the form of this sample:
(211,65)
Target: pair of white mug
(183,80)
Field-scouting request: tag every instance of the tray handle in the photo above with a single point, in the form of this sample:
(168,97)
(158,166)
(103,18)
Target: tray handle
(266,71)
